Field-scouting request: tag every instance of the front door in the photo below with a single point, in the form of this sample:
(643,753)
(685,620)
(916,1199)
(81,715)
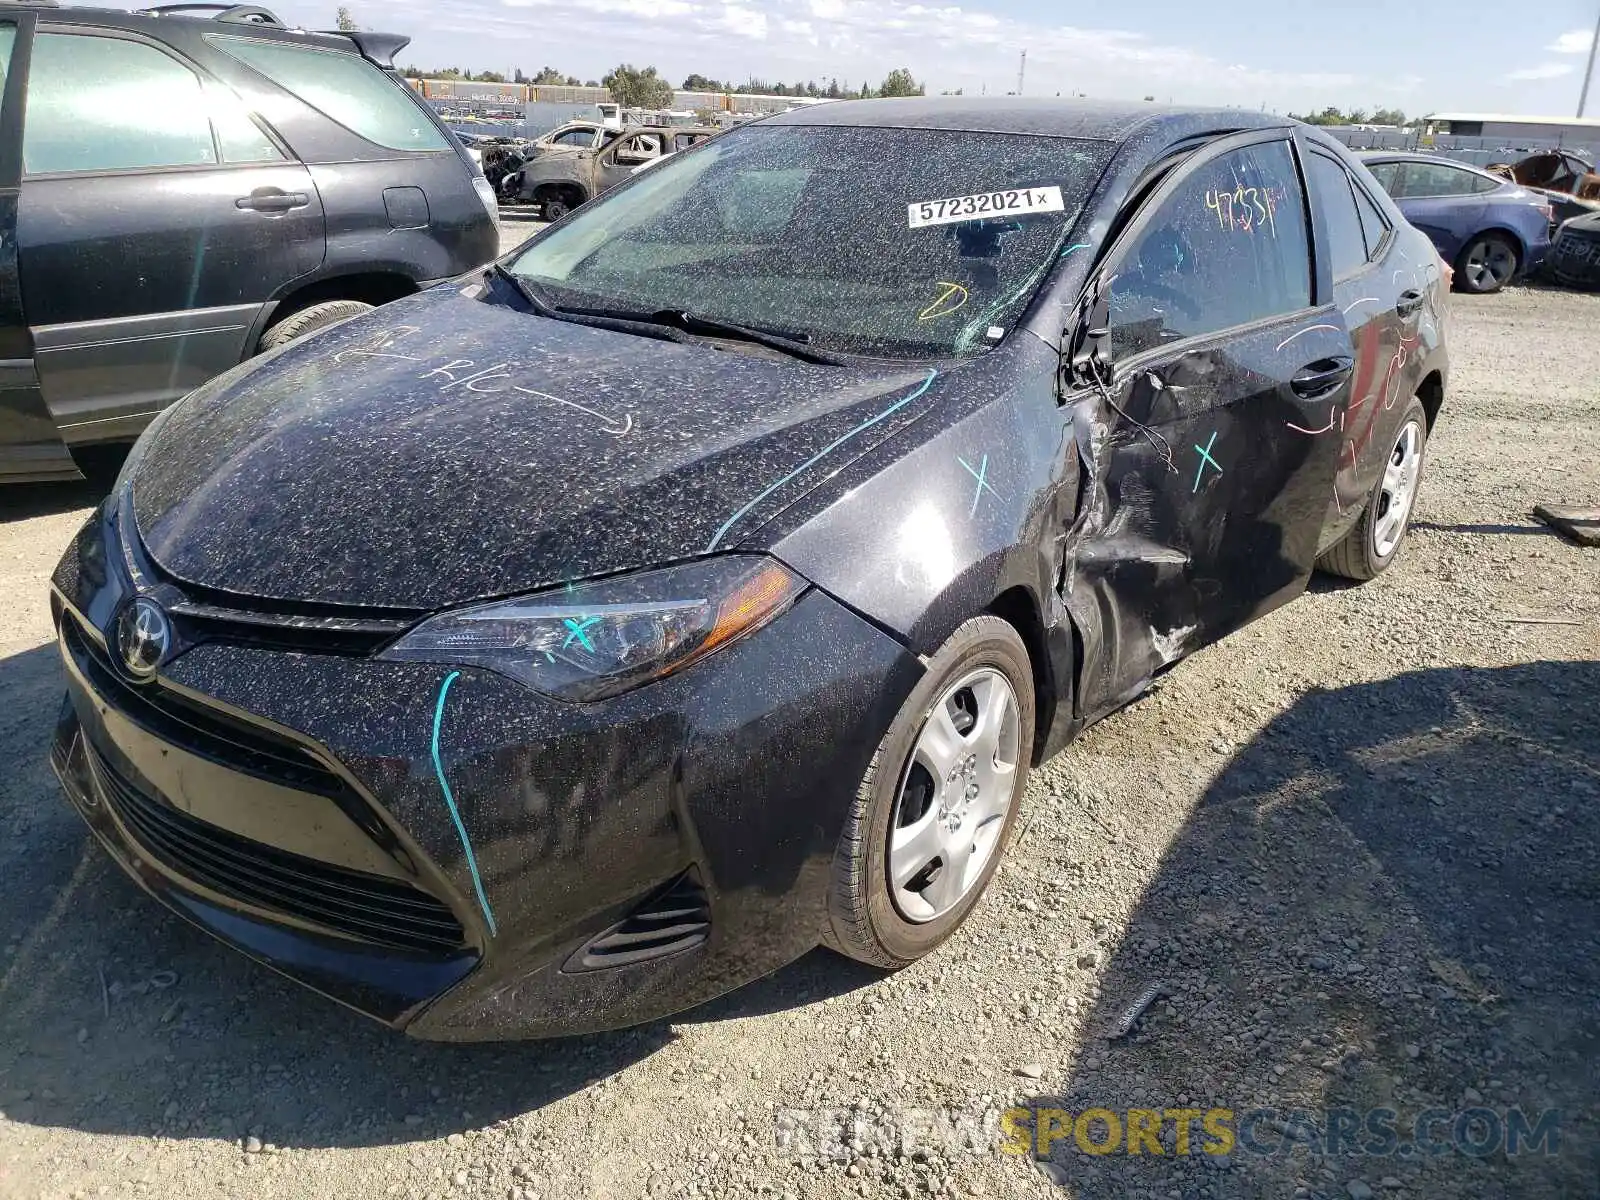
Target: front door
(156,218)
(30,447)
(627,152)
(1211,492)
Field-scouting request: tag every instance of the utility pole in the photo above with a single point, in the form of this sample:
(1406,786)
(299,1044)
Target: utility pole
(1588,74)
(1021,71)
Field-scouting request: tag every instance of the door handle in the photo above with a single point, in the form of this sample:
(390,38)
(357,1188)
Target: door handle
(1409,302)
(1315,380)
(272,200)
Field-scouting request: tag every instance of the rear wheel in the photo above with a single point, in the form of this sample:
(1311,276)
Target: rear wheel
(309,320)
(1374,543)
(1488,263)
(936,807)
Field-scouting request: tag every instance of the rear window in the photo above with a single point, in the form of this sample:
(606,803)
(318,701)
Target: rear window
(343,87)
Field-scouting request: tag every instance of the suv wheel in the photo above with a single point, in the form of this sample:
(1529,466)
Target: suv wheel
(555,208)
(310,320)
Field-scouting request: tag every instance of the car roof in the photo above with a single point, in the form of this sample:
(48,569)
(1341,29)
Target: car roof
(146,21)
(1111,121)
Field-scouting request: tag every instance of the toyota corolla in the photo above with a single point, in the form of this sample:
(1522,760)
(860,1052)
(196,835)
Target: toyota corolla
(574,642)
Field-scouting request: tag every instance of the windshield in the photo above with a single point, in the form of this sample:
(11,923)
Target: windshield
(896,242)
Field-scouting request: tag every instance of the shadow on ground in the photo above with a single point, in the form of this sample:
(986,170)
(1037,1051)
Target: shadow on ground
(1391,899)
(116,1017)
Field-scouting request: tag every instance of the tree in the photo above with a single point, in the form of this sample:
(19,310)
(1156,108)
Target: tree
(591,83)
(635,88)
(833,92)
(547,75)
(490,77)
(699,83)
(899,82)
(343,20)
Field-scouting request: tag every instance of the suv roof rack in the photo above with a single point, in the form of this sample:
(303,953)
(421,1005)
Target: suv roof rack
(242,14)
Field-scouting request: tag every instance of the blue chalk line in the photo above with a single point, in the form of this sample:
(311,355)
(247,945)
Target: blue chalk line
(449,798)
(823,453)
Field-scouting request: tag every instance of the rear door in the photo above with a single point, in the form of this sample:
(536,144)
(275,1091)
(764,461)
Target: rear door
(30,447)
(1225,346)
(156,218)
(1380,297)
(618,161)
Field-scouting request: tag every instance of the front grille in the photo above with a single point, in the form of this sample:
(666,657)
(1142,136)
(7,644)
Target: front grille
(675,919)
(203,731)
(369,908)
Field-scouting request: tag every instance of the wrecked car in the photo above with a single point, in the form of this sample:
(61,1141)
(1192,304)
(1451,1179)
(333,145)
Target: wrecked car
(563,177)
(1567,180)
(1575,257)
(698,584)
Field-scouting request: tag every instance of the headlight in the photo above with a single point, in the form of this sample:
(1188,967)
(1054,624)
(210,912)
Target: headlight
(590,641)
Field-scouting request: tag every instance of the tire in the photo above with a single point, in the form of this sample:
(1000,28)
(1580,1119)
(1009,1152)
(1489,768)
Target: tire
(1373,543)
(870,919)
(310,320)
(555,208)
(1487,263)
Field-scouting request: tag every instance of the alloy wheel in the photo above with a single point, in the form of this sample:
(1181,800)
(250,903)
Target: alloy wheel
(1489,264)
(955,795)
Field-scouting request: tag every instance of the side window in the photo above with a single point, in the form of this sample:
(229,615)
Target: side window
(1436,179)
(343,87)
(574,137)
(1481,185)
(1227,248)
(8,39)
(1347,245)
(238,137)
(1374,225)
(638,149)
(105,104)
(1387,174)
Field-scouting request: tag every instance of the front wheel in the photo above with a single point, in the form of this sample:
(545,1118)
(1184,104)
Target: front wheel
(555,208)
(1488,263)
(310,320)
(933,813)
(1374,542)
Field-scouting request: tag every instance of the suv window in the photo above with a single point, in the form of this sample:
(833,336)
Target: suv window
(1227,248)
(107,104)
(343,87)
(574,137)
(1347,245)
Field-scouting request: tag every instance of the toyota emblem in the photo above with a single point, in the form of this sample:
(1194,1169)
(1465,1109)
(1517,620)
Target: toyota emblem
(144,635)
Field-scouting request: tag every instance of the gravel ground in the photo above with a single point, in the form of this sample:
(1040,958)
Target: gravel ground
(1355,845)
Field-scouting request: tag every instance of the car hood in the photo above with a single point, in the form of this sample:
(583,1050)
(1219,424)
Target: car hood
(1589,224)
(444,449)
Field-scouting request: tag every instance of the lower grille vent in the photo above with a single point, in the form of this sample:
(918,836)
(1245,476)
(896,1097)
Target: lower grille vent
(675,919)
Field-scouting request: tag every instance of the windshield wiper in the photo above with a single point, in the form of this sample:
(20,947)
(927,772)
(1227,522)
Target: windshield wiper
(595,320)
(794,345)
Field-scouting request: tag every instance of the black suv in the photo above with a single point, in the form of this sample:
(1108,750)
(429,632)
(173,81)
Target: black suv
(178,194)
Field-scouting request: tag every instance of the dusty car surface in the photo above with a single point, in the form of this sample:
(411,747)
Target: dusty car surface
(563,177)
(700,583)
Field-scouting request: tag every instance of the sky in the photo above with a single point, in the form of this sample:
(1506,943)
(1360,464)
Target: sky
(1425,56)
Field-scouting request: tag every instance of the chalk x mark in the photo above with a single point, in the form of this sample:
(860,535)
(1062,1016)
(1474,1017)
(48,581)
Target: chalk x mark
(578,628)
(717,537)
(450,800)
(1205,458)
(983,484)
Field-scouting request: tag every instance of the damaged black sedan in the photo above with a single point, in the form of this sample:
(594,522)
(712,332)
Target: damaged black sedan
(572,643)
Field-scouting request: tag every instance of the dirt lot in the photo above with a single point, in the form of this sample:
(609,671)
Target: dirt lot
(1356,845)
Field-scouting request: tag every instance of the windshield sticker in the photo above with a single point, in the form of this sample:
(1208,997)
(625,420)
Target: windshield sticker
(952,298)
(1010,202)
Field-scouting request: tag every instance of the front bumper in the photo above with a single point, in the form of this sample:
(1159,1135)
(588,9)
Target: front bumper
(289,802)
(1575,259)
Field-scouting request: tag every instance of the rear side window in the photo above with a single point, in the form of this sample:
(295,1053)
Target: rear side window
(1228,248)
(105,104)
(1347,245)
(1481,184)
(343,87)
(1374,227)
